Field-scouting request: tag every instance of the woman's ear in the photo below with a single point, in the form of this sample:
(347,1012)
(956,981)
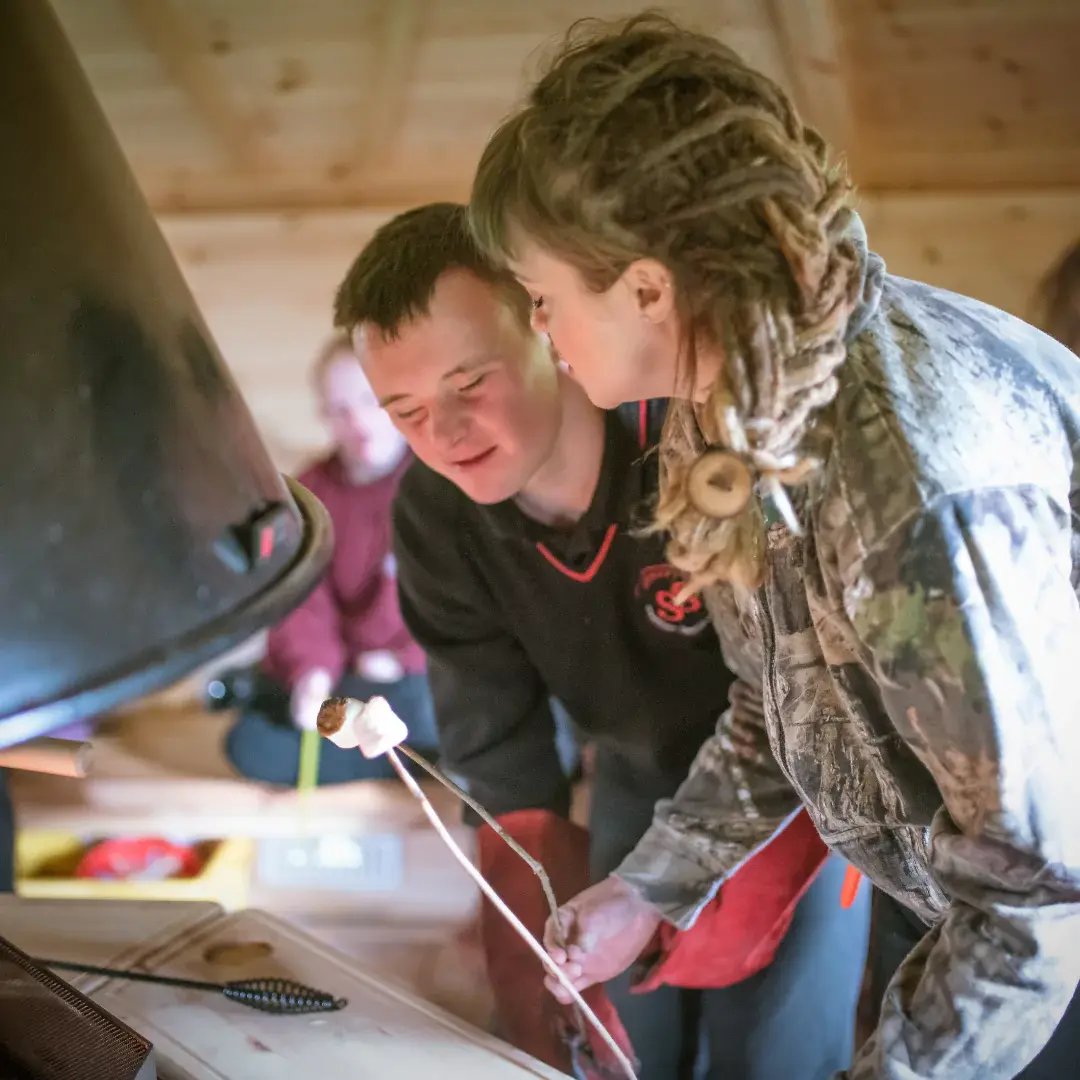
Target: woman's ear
(652,287)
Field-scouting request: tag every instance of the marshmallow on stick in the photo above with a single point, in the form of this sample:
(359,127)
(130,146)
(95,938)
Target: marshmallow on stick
(376,729)
(370,725)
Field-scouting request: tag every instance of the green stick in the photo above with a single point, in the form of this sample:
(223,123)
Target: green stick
(307,773)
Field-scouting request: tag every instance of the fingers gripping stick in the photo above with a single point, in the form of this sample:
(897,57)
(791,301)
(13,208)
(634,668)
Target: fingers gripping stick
(376,729)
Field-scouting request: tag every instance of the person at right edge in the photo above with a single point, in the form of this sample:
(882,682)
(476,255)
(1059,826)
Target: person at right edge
(875,484)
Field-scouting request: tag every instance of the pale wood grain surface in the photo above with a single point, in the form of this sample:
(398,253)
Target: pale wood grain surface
(384,1032)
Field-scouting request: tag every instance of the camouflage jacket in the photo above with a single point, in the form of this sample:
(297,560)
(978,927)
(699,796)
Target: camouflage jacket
(908,676)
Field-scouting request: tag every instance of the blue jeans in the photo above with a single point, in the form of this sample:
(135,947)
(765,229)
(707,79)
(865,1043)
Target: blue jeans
(795,1020)
(264,745)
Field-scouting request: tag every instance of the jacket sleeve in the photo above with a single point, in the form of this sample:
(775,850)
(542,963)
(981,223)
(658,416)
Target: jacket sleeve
(733,802)
(494,719)
(308,637)
(311,635)
(972,629)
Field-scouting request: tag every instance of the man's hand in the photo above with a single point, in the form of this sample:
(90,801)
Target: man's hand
(310,691)
(605,928)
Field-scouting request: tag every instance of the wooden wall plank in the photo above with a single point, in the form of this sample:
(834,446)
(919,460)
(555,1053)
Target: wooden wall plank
(265,285)
(265,282)
(993,247)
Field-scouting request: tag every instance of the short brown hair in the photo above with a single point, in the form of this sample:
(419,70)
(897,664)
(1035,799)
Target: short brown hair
(393,278)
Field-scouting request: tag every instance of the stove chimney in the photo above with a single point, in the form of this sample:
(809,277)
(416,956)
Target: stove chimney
(143,528)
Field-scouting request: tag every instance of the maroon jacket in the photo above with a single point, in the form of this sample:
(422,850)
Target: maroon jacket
(354,609)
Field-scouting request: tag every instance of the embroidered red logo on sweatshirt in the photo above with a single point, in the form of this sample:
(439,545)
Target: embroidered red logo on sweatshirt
(657,586)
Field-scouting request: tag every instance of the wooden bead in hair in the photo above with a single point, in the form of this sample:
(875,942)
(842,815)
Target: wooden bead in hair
(719,484)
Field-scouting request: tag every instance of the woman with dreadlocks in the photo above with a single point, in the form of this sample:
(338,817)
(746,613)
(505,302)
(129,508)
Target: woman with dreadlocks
(875,485)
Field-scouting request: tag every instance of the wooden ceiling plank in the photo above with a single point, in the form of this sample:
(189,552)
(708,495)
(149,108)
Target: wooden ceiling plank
(167,32)
(401,25)
(810,40)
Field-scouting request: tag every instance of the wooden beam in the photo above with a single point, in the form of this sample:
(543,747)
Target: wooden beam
(167,31)
(387,88)
(810,40)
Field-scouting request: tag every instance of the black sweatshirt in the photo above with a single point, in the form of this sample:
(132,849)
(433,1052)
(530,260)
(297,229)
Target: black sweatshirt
(511,612)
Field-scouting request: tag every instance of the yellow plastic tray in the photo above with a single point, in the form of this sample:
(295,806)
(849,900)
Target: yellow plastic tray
(45,862)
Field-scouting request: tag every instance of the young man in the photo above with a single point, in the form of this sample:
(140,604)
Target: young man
(349,633)
(521,576)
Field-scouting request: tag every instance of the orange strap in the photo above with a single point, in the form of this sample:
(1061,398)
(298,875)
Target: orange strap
(850,889)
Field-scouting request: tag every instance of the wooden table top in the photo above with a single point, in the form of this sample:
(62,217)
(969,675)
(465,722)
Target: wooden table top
(384,1033)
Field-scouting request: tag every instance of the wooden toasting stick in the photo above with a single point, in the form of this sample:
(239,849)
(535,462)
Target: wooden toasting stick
(58,757)
(374,728)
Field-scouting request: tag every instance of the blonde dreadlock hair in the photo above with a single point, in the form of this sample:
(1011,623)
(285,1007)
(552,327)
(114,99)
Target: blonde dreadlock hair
(643,139)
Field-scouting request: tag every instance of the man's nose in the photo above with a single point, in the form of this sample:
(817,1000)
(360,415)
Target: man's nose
(449,423)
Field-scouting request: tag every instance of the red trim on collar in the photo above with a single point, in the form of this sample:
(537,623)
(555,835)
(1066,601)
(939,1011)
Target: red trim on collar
(643,423)
(582,576)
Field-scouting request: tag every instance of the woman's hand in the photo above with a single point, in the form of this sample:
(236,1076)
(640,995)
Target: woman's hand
(605,929)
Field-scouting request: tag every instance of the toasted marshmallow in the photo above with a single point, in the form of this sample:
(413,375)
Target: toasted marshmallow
(372,726)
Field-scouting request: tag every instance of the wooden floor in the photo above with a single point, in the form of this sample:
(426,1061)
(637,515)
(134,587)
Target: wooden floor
(407,911)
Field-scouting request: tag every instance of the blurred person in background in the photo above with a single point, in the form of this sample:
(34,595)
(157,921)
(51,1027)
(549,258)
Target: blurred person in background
(348,637)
